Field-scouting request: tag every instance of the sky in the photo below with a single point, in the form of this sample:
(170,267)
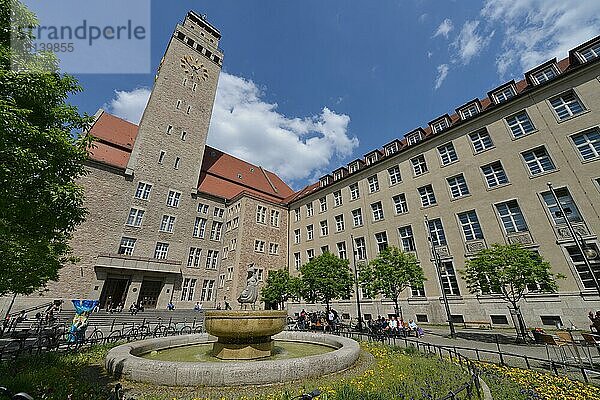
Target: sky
(308,86)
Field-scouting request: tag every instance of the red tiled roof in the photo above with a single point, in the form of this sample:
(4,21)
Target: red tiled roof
(114,140)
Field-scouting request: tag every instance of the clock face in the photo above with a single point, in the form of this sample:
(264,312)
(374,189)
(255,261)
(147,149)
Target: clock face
(194,67)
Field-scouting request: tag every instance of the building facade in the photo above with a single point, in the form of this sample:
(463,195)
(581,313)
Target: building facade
(174,220)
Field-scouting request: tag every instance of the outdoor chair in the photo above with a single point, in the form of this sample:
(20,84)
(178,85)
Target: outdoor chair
(557,345)
(591,341)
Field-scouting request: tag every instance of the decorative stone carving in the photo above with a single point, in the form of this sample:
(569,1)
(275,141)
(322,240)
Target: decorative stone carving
(522,238)
(443,251)
(473,246)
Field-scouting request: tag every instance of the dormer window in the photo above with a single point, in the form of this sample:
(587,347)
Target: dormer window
(326,180)
(353,167)
(589,53)
(469,111)
(504,94)
(438,125)
(371,158)
(337,175)
(416,137)
(391,149)
(544,75)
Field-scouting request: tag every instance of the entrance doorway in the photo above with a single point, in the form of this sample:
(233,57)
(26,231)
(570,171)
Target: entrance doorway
(114,292)
(149,293)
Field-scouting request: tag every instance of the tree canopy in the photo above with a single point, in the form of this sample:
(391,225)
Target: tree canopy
(41,156)
(326,278)
(280,286)
(505,271)
(390,273)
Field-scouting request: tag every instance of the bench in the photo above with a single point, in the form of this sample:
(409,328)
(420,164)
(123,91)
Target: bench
(477,324)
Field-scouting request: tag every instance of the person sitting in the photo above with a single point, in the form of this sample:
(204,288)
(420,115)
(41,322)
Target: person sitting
(198,306)
(412,325)
(595,319)
(170,306)
(133,309)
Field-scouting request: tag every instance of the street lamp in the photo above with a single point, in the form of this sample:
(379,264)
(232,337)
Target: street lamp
(438,267)
(356,284)
(587,253)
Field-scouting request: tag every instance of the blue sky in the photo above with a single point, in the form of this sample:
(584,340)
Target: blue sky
(316,84)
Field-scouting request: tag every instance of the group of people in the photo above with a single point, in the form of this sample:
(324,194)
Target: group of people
(595,319)
(318,320)
(394,326)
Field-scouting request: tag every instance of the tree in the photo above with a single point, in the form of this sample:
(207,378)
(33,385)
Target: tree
(505,271)
(389,274)
(280,286)
(40,159)
(326,278)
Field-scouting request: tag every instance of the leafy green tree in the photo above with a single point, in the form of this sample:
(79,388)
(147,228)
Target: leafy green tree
(389,274)
(280,286)
(326,278)
(505,271)
(40,159)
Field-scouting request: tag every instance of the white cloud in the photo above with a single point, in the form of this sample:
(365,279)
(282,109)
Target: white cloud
(245,125)
(444,29)
(470,42)
(537,30)
(442,73)
(129,105)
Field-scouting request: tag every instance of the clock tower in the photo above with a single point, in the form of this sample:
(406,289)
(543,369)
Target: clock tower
(173,129)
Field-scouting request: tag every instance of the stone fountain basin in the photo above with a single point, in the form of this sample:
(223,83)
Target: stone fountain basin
(241,325)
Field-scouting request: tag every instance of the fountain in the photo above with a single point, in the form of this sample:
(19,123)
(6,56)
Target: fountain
(242,352)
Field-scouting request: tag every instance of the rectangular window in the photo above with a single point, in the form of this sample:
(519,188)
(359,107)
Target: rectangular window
(538,161)
(470,225)
(310,254)
(161,250)
(177,162)
(341,248)
(296,214)
(207,290)
(173,198)
(419,292)
(407,241)
(194,257)
(297,261)
(436,230)
(202,208)
(183,135)
(502,95)
(126,246)
(481,140)
(447,154)
(337,198)
(427,195)
(357,217)
(221,280)
(261,214)
(458,186)
(544,75)
(416,137)
(167,223)
(178,104)
(377,210)
(419,165)
(400,203)
(449,282)
(567,204)
(381,240)
(511,217)
(323,204)
(199,227)
(309,232)
(273,248)
(189,108)
(520,124)
(275,218)
(354,191)
(296,236)
(588,144)
(373,184)
(361,248)
(469,111)
(215,230)
(339,223)
(259,246)
(578,261)
(439,125)
(135,217)
(169,129)
(494,174)
(218,212)
(212,256)
(143,191)
(324,249)
(161,156)
(309,210)
(187,289)
(590,53)
(324,228)
(229,273)
(566,105)
(394,173)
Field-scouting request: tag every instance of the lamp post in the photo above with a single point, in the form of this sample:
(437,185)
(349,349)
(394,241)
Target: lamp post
(356,284)
(586,253)
(438,267)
